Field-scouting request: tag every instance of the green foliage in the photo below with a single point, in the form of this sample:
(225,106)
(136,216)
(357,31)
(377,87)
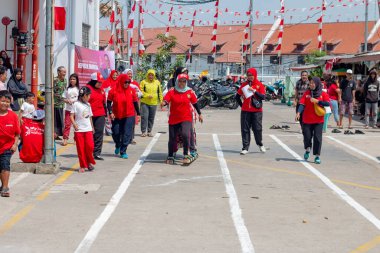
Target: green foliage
(312,59)
(161,62)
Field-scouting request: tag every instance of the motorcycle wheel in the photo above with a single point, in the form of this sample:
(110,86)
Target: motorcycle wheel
(234,105)
(202,103)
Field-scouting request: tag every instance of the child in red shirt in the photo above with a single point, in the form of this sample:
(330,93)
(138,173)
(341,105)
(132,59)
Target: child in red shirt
(9,136)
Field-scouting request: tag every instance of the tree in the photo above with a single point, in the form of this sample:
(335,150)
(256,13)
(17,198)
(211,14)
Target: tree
(161,63)
(312,59)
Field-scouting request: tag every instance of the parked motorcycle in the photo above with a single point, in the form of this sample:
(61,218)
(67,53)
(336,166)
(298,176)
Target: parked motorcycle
(275,91)
(216,96)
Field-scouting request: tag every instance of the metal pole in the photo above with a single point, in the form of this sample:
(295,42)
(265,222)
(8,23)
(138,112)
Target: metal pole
(139,33)
(129,6)
(48,137)
(366,27)
(262,61)
(250,33)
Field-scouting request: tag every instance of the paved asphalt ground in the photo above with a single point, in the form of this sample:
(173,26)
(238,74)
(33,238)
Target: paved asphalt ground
(223,202)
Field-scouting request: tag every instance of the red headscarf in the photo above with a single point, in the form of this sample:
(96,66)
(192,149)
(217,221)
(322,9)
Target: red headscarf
(256,81)
(120,96)
(110,82)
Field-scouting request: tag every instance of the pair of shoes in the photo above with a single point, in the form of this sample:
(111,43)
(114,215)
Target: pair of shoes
(359,132)
(143,135)
(317,160)
(306,155)
(336,131)
(117,151)
(262,149)
(97,157)
(91,167)
(244,152)
(124,156)
(275,127)
(150,134)
(348,132)
(82,170)
(5,193)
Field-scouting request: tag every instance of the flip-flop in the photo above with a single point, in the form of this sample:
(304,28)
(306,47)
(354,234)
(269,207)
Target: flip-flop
(5,193)
(285,127)
(336,131)
(359,132)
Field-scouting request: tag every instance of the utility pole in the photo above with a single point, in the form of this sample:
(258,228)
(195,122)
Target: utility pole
(48,136)
(250,33)
(129,6)
(366,28)
(139,32)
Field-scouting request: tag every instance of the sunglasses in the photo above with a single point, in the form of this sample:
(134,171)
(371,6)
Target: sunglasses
(128,82)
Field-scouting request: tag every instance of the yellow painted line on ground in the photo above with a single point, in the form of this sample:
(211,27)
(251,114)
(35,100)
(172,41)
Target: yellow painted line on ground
(298,173)
(367,246)
(61,150)
(16,218)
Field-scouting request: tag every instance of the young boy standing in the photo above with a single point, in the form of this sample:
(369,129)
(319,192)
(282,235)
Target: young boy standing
(9,136)
(27,108)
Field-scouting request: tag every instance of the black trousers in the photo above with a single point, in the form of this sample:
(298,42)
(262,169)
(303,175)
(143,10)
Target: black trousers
(248,121)
(99,124)
(58,121)
(312,137)
(185,129)
(122,132)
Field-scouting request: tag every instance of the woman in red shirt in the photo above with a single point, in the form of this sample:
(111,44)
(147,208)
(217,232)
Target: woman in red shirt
(334,94)
(122,105)
(313,124)
(98,107)
(253,93)
(181,99)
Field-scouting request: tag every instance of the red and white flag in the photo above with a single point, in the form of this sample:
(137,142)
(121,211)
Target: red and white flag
(60,35)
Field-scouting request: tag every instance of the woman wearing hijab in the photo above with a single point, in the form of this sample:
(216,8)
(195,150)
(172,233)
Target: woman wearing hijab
(122,105)
(177,72)
(98,107)
(181,99)
(135,85)
(152,96)
(311,104)
(108,84)
(253,93)
(18,89)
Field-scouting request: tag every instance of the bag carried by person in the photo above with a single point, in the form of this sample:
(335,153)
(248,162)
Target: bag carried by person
(320,111)
(257,103)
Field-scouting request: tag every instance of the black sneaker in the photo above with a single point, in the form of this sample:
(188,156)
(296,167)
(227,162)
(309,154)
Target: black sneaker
(98,158)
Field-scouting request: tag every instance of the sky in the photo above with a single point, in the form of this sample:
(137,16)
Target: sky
(233,12)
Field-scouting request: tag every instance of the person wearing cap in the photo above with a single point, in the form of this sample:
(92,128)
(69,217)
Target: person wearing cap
(59,86)
(251,111)
(347,88)
(98,107)
(152,96)
(312,122)
(122,105)
(181,99)
(371,95)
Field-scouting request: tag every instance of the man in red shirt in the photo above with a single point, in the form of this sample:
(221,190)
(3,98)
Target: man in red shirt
(253,92)
(9,136)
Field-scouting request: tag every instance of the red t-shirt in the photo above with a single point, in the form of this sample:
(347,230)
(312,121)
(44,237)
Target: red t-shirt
(122,102)
(247,105)
(180,106)
(9,128)
(309,116)
(332,91)
(97,101)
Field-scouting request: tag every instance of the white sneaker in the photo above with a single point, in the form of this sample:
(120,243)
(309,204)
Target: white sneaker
(262,149)
(244,152)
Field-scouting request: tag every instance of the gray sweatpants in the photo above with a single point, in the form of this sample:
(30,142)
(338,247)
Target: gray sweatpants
(148,113)
(368,107)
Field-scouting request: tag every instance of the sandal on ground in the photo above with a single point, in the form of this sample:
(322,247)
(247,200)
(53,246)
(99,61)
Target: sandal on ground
(5,193)
(143,135)
(91,167)
(359,132)
(336,131)
(133,142)
(81,170)
(170,160)
(188,159)
(348,132)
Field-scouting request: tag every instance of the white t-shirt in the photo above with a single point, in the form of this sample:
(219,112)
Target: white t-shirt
(72,94)
(82,114)
(27,110)
(3,86)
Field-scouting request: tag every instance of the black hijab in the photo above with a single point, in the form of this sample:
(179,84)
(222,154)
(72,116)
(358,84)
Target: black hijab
(317,92)
(19,83)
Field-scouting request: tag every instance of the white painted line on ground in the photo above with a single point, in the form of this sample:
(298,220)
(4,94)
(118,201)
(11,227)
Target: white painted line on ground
(183,180)
(241,229)
(18,179)
(362,210)
(93,232)
(354,149)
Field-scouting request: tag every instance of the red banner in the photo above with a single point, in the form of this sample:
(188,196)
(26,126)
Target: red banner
(88,61)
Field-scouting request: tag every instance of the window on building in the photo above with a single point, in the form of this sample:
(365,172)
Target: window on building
(369,47)
(148,58)
(86,35)
(191,58)
(169,59)
(301,59)
(210,59)
(274,59)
